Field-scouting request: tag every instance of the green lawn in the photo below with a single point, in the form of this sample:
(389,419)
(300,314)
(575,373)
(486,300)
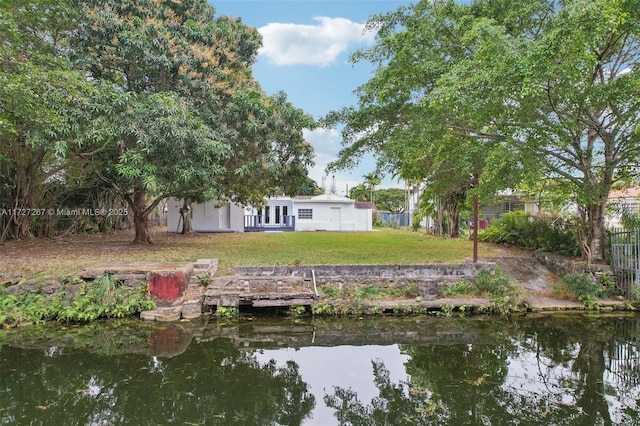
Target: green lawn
(67,256)
(379,247)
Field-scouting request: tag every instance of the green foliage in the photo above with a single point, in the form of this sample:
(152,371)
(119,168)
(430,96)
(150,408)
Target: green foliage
(584,288)
(152,99)
(503,293)
(416,217)
(369,292)
(508,92)
(446,310)
(533,233)
(390,199)
(297,311)
(227,312)
(102,298)
(409,309)
(462,287)
(324,309)
(330,291)
(375,310)
(204,278)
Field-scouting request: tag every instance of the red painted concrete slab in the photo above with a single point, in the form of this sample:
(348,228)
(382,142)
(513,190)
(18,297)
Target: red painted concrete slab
(167,287)
(167,281)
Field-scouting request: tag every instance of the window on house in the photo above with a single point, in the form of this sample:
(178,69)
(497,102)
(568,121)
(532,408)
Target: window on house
(277,214)
(512,206)
(266,214)
(305,213)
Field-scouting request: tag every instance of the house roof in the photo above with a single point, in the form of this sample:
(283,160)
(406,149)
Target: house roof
(365,205)
(324,198)
(626,193)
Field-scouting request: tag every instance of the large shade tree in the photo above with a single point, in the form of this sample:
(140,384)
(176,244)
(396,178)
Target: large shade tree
(188,119)
(528,90)
(45,107)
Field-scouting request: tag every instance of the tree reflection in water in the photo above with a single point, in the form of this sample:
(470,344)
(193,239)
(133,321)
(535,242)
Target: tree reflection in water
(211,383)
(534,370)
(530,372)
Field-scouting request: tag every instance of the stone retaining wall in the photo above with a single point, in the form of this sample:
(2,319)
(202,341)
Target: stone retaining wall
(328,273)
(430,278)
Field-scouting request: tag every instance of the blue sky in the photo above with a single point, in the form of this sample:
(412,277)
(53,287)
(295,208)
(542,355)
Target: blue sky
(306,44)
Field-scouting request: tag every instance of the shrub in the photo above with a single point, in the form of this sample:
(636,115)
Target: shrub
(533,233)
(585,288)
(102,298)
(503,293)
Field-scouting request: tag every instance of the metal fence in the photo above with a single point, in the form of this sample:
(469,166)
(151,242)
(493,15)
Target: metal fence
(394,219)
(625,258)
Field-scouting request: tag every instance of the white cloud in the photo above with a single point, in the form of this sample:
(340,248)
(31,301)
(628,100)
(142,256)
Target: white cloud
(319,44)
(326,144)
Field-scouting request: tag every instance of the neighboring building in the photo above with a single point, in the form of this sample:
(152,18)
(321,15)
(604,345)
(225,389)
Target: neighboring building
(324,212)
(627,200)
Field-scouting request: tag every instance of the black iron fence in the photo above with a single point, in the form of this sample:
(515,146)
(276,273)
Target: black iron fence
(625,258)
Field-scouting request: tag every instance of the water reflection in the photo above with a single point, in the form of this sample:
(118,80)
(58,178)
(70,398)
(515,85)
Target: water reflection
(578,370)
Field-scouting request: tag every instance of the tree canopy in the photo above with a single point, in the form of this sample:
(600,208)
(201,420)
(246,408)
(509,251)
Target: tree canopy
(155,98)
(508,92)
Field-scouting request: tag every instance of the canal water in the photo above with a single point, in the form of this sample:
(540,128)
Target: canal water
(555,369)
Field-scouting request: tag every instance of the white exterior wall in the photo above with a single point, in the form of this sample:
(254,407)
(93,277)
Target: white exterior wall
(207,217)
(332,213)
(363,219)
(324,219)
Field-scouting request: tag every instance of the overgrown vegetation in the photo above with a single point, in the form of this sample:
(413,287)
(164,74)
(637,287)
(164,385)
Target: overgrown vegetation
(102,298)
(503,293)
(556,235)
(587,290)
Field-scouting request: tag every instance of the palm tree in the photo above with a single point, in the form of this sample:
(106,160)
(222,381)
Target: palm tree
(358,192)
(371,179)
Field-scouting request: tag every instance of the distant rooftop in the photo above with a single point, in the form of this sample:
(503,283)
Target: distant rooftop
(625,193)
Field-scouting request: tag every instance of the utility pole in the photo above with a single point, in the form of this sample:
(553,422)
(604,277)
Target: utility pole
(474,180)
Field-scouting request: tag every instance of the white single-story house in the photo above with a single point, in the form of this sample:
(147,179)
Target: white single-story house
(326,212)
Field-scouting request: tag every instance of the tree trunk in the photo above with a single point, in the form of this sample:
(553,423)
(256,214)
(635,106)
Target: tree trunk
(21,200)
(140,217)
(185,215)
(591,232)
(454,222)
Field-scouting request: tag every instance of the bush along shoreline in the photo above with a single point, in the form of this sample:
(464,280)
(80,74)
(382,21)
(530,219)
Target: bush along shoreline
(74,302)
